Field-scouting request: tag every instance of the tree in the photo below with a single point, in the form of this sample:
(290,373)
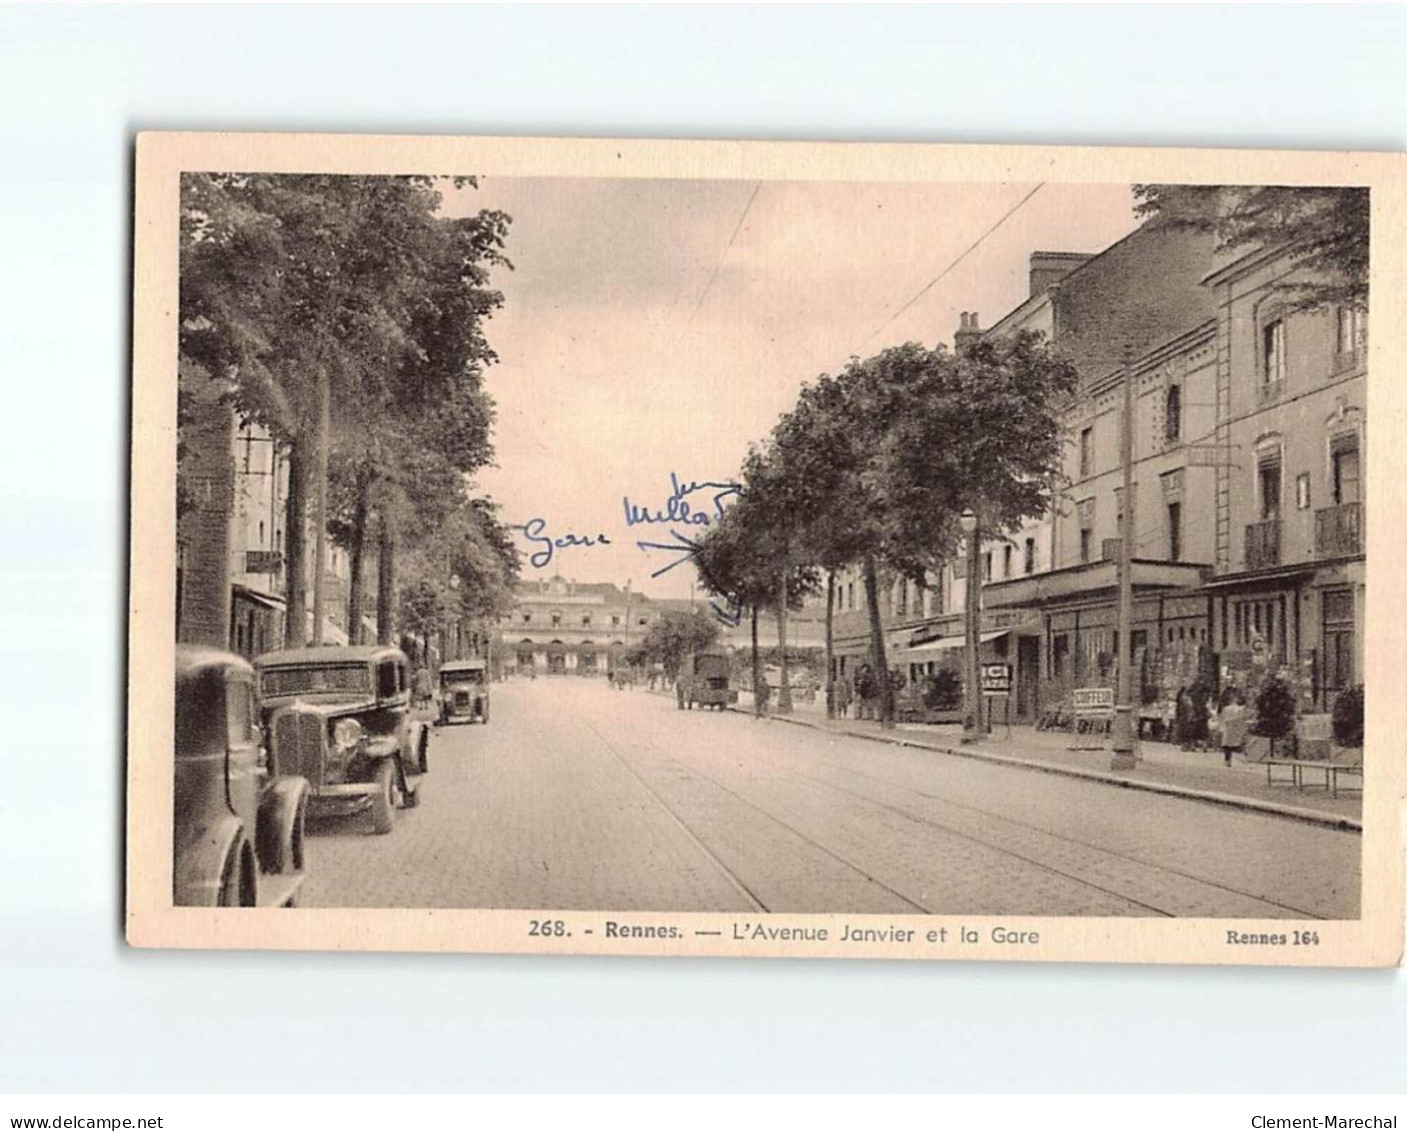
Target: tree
(314,296)
(1325,231)
(737,559)
(875,466)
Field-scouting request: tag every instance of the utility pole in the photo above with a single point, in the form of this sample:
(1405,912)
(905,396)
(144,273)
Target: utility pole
(1125,740)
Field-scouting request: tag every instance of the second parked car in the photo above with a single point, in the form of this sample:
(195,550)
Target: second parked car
(342,717)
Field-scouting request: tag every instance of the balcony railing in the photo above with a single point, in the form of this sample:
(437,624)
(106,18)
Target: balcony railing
(1263,544)
(1338,531)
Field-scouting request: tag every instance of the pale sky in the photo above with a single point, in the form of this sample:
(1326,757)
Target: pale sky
(612,375)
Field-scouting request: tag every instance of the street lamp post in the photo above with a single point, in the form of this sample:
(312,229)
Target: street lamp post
(1124,737)
(972,718)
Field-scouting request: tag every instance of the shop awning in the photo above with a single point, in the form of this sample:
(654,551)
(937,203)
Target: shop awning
(947,643)
(265,600)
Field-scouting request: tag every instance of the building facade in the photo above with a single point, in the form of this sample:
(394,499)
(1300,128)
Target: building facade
(231,575)
(563,627)
(1247,509)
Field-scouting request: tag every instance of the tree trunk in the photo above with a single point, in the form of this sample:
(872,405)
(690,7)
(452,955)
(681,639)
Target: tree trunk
(385,583)
(784,704)
(881,664)
(830,643)
(324,442)
(356,601)
(295,536)
(758,707)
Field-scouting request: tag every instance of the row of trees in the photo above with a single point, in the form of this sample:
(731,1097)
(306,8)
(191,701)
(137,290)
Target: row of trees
(874,468)
(347,315)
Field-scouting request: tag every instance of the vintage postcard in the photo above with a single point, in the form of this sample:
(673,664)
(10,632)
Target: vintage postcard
(767,549)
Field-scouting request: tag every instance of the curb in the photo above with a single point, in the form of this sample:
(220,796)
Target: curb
(1227,800)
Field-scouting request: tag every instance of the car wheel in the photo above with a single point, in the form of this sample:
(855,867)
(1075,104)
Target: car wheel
(239,881)
(383,801)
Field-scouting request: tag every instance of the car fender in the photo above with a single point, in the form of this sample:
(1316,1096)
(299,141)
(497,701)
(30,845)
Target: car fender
(200,860)
(279,811)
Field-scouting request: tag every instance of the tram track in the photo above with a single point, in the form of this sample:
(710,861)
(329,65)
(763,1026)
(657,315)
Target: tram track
(990,844)
(951,830)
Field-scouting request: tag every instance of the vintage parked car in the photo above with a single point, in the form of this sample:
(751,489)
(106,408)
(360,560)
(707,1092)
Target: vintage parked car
(464,691)
(342,717)
(239,808)
(705,680)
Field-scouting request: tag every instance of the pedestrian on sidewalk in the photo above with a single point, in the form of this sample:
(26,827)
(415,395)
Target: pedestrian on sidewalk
(1233,724)
(866,688)
(844,693)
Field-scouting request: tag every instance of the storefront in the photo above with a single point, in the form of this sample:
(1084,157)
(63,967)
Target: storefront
(1303,622)
(1069,635)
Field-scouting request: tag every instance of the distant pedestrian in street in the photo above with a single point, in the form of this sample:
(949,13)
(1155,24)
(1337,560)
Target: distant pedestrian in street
(1233,724)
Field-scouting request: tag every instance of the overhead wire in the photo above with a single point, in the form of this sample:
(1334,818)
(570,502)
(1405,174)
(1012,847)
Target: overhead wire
(738,227)
(933,282)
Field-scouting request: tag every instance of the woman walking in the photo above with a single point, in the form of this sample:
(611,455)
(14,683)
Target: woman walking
(1233,724)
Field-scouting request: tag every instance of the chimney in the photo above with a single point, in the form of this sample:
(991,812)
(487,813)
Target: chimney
(1049,267)
(968,333)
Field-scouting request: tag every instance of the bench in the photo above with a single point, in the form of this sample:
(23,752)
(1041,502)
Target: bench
(1349,761)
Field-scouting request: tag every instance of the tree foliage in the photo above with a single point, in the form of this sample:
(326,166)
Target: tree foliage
(675,636)
(1325,231)
(292,284)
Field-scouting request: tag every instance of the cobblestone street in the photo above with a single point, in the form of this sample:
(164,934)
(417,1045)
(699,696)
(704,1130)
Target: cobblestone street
(579,797)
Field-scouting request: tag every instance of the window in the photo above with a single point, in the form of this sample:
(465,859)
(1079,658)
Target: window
(615,620)
(527,618)
(1268,482)
(1344,470)
(261,533)
(556,619)
(1084,511)
(1350,330)
(1302,491)
(903,596)
(1273,352)
(1338,642)
(1060,656)
(987,566)
(386,679)
(1086,453)
(241,719)
(1174,532)
(586,618)
(1172,415)
(1006,561)
(1030,562)
(644,621)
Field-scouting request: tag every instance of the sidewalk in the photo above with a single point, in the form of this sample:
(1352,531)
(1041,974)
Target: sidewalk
(1163,767)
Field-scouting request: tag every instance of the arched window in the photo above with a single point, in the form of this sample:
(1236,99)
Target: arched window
(1172,415)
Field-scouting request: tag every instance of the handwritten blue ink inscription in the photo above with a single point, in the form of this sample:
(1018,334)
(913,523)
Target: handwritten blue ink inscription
(534,531)
(677,509)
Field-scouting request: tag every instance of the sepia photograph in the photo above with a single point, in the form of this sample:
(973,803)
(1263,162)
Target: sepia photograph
(756,550)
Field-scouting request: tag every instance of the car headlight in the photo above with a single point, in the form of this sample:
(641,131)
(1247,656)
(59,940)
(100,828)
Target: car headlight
(347,735)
